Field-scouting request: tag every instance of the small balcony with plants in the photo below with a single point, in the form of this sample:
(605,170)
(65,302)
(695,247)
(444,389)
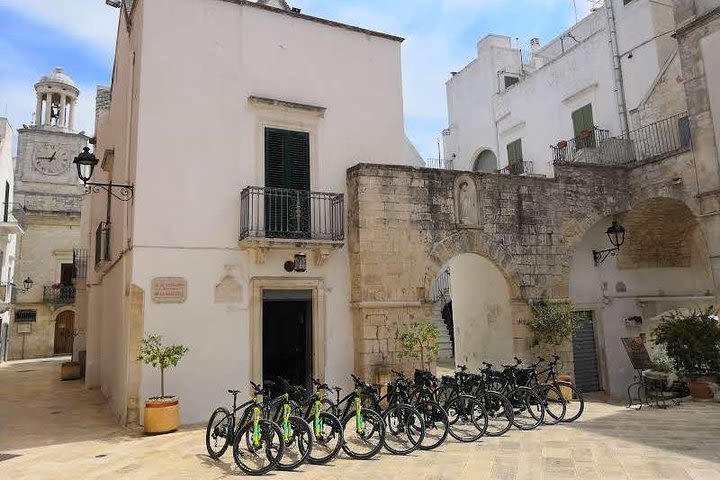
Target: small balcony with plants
(59,294)
(283,218)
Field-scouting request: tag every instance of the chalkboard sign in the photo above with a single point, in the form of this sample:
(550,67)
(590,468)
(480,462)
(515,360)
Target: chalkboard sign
(636,350)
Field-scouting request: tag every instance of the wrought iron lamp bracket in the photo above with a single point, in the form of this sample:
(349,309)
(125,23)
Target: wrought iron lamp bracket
(601,255)
(124,193)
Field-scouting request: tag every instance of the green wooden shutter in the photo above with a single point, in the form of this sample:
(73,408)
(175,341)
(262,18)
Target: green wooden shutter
(515,156)
(274,158)
(582,119)
(297,160)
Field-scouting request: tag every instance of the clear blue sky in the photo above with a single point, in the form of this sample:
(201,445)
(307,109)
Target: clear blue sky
(79,35)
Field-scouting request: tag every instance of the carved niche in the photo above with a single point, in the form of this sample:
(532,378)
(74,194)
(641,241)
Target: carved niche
(466,201)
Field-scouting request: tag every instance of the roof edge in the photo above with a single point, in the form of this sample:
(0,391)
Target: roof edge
(323,21)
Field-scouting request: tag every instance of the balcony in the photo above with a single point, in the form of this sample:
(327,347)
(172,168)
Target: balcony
(655,141)
(8,296)
(13,220)
(525,167)
(439,163)
(290,219)
(59,294)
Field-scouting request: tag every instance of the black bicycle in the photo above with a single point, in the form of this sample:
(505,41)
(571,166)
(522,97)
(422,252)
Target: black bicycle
(468,420)
(257,441)
(326,428)
(363,428)
(498,406)
(553,401)
(575,403)
(528,406)
(404,424)
(422,396)
(297,435)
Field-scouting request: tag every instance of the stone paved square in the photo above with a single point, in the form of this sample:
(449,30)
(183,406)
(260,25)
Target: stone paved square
(59,430)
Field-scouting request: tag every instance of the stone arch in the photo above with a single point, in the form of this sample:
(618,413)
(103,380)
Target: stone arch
(67,308)
(484,161)
(470,241)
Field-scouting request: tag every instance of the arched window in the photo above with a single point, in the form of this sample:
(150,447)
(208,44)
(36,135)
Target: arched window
(485,162)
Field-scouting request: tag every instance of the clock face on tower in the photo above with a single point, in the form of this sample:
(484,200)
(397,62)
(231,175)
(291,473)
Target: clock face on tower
(51,159)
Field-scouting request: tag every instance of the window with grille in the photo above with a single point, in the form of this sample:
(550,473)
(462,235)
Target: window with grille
(24,316)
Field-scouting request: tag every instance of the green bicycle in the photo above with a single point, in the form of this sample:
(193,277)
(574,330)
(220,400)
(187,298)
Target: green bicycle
(296,432)
(258,444)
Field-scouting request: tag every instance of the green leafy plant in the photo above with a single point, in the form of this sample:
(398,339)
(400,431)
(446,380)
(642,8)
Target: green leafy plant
(553,323)
(419,340)
(661,362)
(154,354)
(691,340)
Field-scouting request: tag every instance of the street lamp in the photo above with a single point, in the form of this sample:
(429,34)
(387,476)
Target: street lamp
(616,235)
(298,264)
(86,163)
(28,283)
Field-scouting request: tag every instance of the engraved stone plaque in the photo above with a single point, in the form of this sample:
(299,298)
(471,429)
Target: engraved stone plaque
(168,290)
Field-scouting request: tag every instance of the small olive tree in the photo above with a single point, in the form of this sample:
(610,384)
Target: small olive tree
(153,353)
(553,323)
(419,340)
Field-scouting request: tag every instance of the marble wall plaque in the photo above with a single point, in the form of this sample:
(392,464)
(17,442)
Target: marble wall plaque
(168,290)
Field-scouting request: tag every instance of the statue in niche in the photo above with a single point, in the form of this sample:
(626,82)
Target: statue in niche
(466,202)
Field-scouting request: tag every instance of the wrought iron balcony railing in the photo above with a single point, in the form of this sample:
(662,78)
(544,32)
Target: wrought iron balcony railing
(59,294)
(283,213)
(439,163)
(656,140)
(524,167)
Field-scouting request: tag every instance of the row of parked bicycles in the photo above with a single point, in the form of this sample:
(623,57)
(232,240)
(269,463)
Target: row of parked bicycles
(296,426)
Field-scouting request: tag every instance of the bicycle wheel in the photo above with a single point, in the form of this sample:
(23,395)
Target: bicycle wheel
(363,441)
(258,458)
(499,411)
(528,408)
(298,444)
(327,439)
(443,396)
(576,406)
(218,433)
(404,429)
(554,404)
(436,424)
(467,419)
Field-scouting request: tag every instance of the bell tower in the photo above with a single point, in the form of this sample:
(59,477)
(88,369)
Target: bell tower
(56,101)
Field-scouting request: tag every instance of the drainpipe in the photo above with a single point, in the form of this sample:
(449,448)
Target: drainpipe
(617,68)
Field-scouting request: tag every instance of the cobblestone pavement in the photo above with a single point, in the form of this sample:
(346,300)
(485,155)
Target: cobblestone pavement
(53,429)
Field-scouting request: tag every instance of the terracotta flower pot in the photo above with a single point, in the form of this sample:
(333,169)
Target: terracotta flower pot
(700,388)
(162,415)
(562,144)
(70,371)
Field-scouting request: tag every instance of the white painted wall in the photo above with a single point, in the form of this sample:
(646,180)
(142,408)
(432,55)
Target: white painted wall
(7,241)
(710,46)
(596,288)
(564,75)
(198,144)
(481,312)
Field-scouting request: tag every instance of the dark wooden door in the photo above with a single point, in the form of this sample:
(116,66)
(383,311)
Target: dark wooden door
(64,328)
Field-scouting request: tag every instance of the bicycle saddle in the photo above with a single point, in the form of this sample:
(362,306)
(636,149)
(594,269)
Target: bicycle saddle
(233,392)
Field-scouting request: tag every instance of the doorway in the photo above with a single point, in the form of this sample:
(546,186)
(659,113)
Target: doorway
(64,333)
(287,336)
(585,359)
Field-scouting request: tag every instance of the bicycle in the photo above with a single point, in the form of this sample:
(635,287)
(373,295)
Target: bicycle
(327,429)
(498,406)
(553,401)
(528,408)
(436,420)
(576,403)
(467,418)
(297,435)
(262,437)
(404,425)
(363,428)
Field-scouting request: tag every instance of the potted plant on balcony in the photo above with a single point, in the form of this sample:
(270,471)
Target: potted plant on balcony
(71,370)
(162,414)
(585,134)
(552,324)
(562,144)
(691,339)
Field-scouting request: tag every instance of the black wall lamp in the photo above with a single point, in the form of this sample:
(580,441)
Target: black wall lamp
(616,234)
(28,283)
(299,264)
(86,163)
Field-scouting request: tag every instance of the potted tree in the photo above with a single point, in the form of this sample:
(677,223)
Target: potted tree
(71,370)
(691,339)
(552,324)
(162,414)
(419,340)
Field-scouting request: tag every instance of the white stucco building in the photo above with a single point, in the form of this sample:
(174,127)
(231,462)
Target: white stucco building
(10,230)
(236,132)
(511,102)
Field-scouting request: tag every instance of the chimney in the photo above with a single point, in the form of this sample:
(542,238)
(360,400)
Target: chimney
(534,44)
